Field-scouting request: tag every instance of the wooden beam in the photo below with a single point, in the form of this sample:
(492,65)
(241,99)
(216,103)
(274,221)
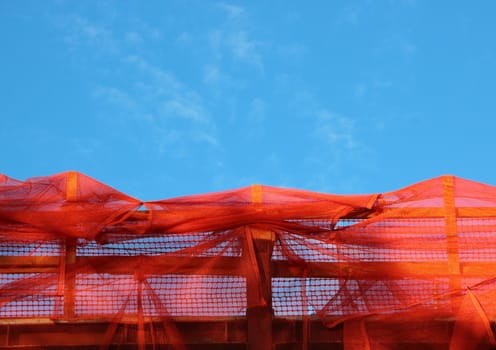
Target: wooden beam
(70,279)
(229,334)
(234,266)
(25,261)
(160,265)
(259,313)
(366,271)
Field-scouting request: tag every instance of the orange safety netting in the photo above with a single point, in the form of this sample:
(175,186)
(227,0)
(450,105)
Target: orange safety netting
(386,267)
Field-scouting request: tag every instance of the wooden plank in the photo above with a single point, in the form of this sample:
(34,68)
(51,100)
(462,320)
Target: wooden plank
(79,334)
(161,265)
(233,266)
(382,270)
(369,270)
(223,333)
(22,261)
(29,264)
(34,269)
(124,264)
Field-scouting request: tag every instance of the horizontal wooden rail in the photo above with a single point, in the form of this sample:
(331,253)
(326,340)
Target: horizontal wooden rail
(214,334)
(233,266)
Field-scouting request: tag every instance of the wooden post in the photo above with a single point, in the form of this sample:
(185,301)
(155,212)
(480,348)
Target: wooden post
(141,321)
(70,279)
(258,249)
(259,296)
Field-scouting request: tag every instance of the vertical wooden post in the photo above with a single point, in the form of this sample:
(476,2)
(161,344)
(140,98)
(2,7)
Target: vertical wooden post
(452,236)
(258,249)
(141,321)
(70,279)
(259,296)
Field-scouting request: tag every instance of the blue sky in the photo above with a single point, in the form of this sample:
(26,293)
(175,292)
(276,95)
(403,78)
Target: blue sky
(167,98)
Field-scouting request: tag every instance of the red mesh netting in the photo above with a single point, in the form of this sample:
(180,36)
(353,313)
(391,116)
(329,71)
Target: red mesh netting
(386,268)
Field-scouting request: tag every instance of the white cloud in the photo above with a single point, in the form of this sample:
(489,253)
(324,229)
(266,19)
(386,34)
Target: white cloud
(232,11)
(334,148)
(370,87)
(184,39)
(396,45)
(215,39)
(86,147)
(410,3)
(233,40)
(99,37)
(164,79)
(150,94)
(211,74)
(115,96)
(204,137)
(382,84)
(134,38)
(360,90)
(186,109)
(409,48)
(336,129)
(294,51)
(244,48)
(258,109)
(166,99)
(350,15)
(237,45)
(78,31)
(218,80)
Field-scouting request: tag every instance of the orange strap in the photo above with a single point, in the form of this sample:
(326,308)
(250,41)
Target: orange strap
(256,194)
(71,186)
(451,232)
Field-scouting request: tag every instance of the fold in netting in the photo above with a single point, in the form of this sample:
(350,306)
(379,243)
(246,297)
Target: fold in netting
(74,205)
(415,265)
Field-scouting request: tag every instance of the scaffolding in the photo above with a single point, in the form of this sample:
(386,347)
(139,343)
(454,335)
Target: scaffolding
(83,266)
